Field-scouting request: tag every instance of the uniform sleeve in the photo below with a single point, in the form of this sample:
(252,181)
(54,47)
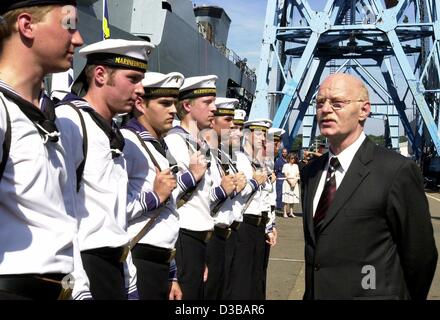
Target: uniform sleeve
(3,127)
(141,197)
(81,285)
(172,276)
(69,124)
(271,223)
(130,276)
(179,151)
(410,222)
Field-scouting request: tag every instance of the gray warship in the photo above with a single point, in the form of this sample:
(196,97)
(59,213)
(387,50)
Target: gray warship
(188,39)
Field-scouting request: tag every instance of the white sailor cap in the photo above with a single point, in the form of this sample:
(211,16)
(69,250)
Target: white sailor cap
(225,106)
(276,133)
(115,53)
(162,85)
(258,124)
(239,116)
(200,86)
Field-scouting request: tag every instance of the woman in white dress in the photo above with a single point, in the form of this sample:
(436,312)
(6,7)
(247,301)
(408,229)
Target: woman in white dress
(290,185)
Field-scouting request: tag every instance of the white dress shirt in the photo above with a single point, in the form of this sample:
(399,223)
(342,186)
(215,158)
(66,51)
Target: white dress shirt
(345,158)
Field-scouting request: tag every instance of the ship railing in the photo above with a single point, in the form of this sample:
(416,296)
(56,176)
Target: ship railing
(228,53)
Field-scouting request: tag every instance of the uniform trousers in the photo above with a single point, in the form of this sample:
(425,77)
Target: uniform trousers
(265,265)
(31,286)
(230,252)
(215,261)
(246,274)
(190,260)
(152,273)
(105,273)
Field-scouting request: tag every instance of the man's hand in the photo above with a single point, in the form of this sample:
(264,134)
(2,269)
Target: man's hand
(228,183)
(164,184)
(271,237)
(205,274)
(175,293)
(197,165)
(241,181)
(260,177)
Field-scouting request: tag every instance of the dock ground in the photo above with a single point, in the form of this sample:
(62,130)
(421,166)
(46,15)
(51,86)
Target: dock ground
(285,276)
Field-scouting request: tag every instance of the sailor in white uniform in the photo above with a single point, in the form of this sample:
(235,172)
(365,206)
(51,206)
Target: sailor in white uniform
(232,182)
(154,228)
(246,272)
(273,144)
(37,209)
(112,82)
(195,110)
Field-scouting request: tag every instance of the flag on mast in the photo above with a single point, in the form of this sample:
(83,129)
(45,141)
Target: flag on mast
(105,24)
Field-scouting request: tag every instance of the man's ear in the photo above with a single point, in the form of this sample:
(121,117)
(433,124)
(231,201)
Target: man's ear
(25,26)
(186,106)
(139,105)
(101,75)
(365,111)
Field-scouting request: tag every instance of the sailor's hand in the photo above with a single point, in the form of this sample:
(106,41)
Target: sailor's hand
(271,237)
(175,293)
(197,165)
(241,181)
(164,184)
(228,183)
(260,177)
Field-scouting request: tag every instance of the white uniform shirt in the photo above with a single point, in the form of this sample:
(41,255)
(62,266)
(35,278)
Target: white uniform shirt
(244,165)
(224,216)
(37,224)
(103,194)
(142,173)
(102,198)
(195,214)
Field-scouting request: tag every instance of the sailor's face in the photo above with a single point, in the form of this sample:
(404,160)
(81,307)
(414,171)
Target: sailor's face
(236,136)
(160,112)
(56,38)
(202,111)
(258,139)
(222,126)
(122,88)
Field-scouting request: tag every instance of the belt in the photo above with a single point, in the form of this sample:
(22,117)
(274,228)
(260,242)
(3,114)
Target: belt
(49,286)
(203,236)
(235,225)
(152,253)
(255,220)
(118,254)
(223,233)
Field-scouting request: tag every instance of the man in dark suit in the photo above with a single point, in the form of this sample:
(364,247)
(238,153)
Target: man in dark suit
(367,226)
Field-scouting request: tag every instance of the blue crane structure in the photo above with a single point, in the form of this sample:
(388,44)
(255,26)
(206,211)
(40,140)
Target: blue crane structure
(392,45)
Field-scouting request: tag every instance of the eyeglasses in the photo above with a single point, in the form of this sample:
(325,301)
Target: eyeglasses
(335,104)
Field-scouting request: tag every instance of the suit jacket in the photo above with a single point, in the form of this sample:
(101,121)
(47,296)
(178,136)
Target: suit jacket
(376,240)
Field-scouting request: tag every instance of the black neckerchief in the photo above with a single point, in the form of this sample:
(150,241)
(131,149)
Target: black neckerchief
(112,132)
(43,120)
(115,137)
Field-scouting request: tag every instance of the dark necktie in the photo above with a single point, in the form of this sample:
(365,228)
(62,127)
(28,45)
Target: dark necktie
(328,193)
